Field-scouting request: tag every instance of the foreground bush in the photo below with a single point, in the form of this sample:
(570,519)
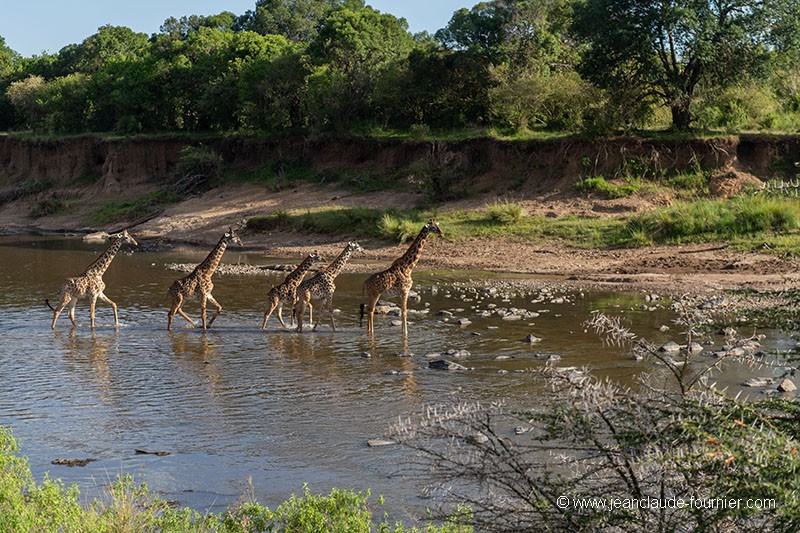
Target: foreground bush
(674,453)
(132,508)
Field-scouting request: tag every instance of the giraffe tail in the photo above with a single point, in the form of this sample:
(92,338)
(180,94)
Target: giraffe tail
(47,301)
(361,318)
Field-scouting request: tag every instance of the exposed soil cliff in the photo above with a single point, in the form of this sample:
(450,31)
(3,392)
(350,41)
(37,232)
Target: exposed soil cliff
(485,164)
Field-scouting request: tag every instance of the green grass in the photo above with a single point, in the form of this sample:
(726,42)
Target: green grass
(706,219)
(748,223)
(131,209)
(608,189)
(129,507)
(504,211)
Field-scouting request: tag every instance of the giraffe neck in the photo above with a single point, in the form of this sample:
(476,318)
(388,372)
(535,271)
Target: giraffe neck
(335,268)
(297,274)
(211,262)
(100,264)
(408,260)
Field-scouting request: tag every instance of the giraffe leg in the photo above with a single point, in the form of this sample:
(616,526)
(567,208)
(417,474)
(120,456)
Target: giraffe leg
(107,300)
(176,308)
(371,313)
(72,303)
(219,309)
(92,307)
(60,307)
(326,304)
(299,311)
(203,305)
(404,312)
(272,305)
(280,318)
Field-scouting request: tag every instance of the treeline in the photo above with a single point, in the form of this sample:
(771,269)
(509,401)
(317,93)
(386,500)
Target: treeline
(508,66)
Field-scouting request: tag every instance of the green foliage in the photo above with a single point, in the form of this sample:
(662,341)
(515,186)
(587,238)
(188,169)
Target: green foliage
(399,228)
(197,171)
(607,189)
(34,186)
(133,209)
(504,211)
(132,507)
(632,57)
(316,66)
(719,219)
(49,205)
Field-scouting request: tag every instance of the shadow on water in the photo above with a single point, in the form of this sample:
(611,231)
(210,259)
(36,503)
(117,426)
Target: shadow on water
(279,407)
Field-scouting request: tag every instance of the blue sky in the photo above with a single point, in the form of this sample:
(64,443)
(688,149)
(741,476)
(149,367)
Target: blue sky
(35,26)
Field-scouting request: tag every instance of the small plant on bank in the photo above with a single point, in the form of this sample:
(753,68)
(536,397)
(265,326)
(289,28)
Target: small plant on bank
(608,189)
(49,205)
(197,171)
(398,228)
(132,209)
(504,211)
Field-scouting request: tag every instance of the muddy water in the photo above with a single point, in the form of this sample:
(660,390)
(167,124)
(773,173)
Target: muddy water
(280,408)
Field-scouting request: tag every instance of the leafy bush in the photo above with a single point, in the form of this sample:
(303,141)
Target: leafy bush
(504,212)
(49,205)
(607,189)
(197,171)
(132,507)
(398,228)
(668,454)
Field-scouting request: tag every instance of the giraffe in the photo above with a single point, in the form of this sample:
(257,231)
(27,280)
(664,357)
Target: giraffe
(321,287)
(396,280)
(199,284)
(287,290)
(91,283)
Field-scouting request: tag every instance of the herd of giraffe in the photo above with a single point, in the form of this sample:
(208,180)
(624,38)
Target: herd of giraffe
(293,291)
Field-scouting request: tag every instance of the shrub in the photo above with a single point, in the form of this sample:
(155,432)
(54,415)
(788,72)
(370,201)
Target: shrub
(197,171)
(399,229)
(607,189)
(590,443)
(504,211)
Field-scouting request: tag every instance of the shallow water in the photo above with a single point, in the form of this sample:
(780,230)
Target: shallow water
(279,408)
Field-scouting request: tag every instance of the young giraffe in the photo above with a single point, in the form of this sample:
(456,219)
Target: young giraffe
(396,280)
(321,287)
(91,283)
(287,290)
(199,284)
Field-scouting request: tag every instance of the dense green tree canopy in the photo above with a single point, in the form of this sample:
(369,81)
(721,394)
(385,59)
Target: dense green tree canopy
(597,66)
(665,49)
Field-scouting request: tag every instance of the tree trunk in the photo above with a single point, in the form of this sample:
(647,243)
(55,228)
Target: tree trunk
(681,117)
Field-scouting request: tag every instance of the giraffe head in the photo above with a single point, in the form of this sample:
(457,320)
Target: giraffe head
(433,227)
(232,237)
(314,257)
(125,237)
(354,247)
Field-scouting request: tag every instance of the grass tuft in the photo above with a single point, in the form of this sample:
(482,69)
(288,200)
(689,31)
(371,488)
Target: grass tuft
(504,211)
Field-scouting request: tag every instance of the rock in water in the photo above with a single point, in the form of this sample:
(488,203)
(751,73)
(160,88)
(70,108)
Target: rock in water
(444,364)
